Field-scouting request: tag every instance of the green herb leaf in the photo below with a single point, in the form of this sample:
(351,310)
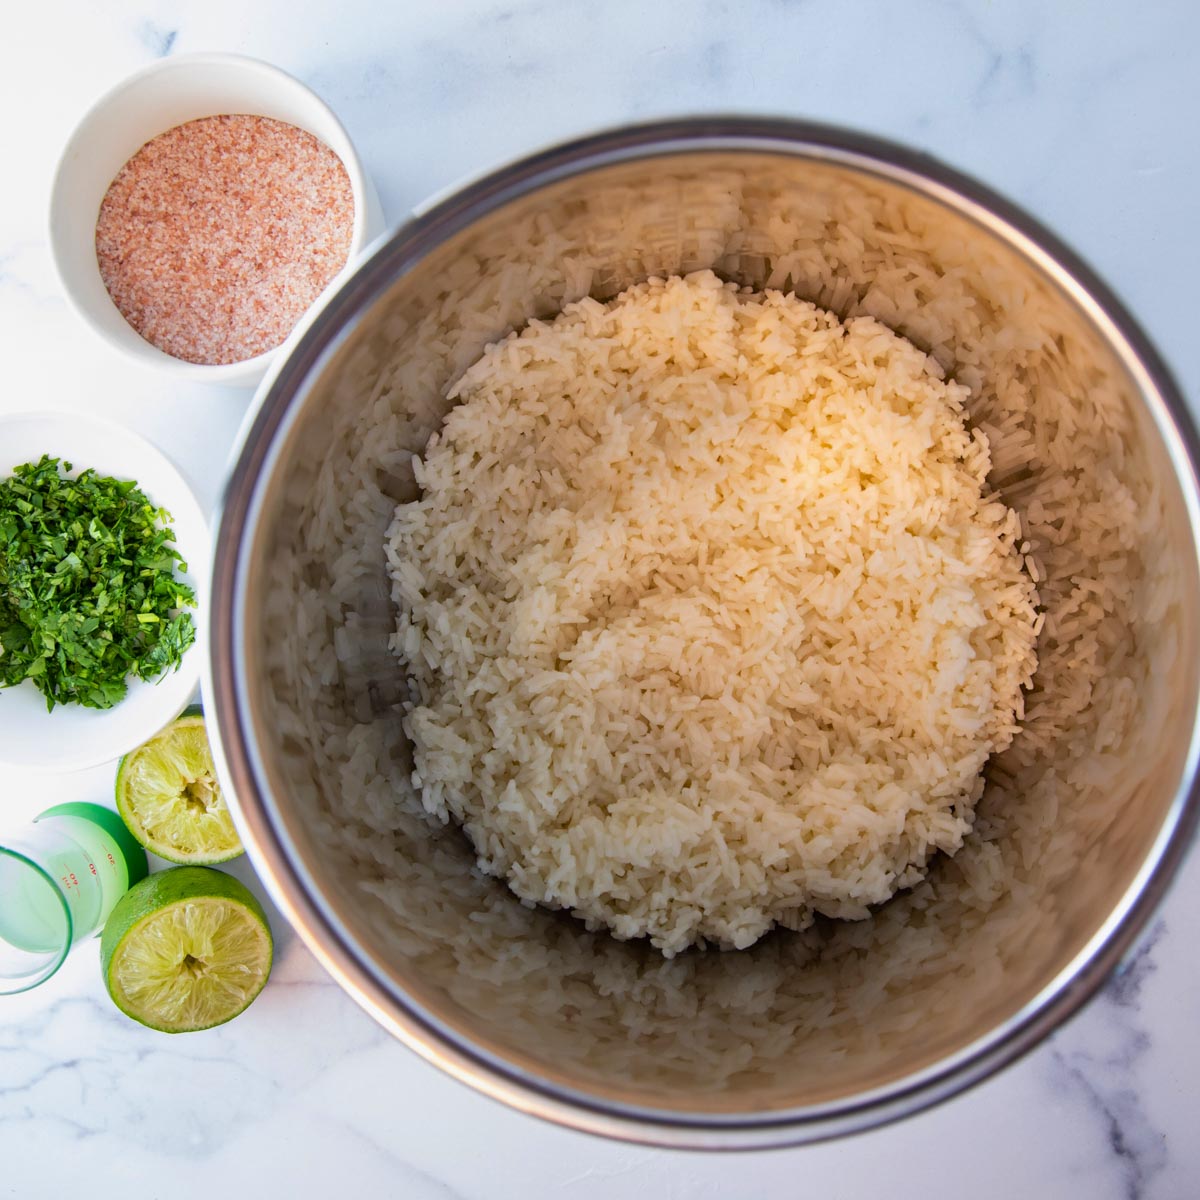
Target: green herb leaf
(88,588)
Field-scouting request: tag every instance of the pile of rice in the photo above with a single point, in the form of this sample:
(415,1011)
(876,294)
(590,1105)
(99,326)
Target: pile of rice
(710,616)
(797,1018)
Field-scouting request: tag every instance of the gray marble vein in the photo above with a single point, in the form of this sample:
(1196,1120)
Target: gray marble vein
(159,39)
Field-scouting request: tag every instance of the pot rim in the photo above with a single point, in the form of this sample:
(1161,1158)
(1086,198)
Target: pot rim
(237,753)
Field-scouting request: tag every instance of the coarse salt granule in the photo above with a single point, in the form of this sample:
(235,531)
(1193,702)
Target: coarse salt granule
(216,235)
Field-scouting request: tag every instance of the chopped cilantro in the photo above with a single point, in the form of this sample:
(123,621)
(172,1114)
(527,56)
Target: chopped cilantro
(88,590)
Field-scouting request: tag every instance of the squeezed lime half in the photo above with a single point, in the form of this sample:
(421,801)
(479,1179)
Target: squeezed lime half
(186,949)
(168,795)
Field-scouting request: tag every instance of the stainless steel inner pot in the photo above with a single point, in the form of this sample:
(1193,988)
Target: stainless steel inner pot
(804,1036)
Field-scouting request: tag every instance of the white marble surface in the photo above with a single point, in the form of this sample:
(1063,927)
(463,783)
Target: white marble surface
(1082,111)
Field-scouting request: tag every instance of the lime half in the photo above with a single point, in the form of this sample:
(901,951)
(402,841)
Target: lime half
(168,795)
(186,949)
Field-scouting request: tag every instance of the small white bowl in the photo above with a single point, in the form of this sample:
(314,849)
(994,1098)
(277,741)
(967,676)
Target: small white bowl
(73,737)
(155,99)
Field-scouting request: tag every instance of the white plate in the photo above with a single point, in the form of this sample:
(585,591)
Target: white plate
(73,737)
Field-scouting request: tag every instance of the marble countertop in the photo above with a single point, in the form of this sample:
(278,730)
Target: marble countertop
(1082,112)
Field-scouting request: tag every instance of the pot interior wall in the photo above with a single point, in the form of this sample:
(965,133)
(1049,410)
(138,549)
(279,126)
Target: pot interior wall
(1070,813)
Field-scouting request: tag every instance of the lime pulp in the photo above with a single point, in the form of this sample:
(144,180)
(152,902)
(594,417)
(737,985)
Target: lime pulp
(168,795)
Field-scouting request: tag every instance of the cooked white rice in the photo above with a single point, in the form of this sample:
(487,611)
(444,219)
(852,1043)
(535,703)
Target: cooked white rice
(711,618)
(800,1017)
